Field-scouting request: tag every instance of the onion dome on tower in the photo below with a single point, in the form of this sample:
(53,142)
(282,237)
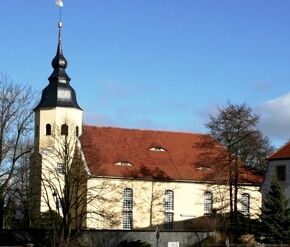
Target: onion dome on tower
(58,92)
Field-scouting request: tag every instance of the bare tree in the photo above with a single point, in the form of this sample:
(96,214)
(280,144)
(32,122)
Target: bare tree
(65,192)
(235,126)
(17,212)
(16,104)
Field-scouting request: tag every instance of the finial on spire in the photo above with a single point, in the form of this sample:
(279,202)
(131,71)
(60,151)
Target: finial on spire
(59,62)
(59,47)
(59,3)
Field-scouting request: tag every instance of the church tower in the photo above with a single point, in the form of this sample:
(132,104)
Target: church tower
(57,116)
(58,107)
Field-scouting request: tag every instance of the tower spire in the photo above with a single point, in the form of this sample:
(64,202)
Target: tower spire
(59,63)
(59,92)
(59,46)
(59,3)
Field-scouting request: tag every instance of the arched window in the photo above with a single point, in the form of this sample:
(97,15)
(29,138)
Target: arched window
(64,130)
(77,131)
(128,209)
(169,200)
(48,129)
(168,208)
(208,201)
(245,204)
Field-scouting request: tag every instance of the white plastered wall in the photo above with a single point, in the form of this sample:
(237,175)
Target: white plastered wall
(188,201)
(271,173)
(55,117)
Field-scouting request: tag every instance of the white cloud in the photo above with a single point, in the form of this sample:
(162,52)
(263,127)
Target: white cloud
(275,118)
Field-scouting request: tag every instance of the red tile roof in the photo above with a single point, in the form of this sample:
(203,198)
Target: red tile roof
(282,153)
(187,156)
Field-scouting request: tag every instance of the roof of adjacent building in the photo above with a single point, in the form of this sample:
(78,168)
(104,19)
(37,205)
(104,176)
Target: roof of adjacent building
(148,154)
(282,153)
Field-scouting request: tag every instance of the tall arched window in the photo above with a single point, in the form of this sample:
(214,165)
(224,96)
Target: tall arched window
(64,130)
(168,208)
(128,209)
(169,200)
(77,131)
(48,129)
(208,202)
(245,204)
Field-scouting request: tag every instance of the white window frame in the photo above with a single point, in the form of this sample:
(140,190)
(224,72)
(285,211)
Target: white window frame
(168,209)
(59,168)
(169,200)
(208,202)
(128,199)
(245,204)
(127,220)
(127,209)
(168,220)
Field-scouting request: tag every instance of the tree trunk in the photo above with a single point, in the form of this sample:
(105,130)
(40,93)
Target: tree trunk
(1,213)
(151,204)
(236,184)
(230,183)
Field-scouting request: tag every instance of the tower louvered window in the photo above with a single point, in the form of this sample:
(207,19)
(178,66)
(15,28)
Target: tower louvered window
(64,130)
(48,129)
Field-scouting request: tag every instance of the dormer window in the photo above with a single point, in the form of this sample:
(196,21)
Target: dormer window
(157,149)
(48,129)
(203,168)
(123,163)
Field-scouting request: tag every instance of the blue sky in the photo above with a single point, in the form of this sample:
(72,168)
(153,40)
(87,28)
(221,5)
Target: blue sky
(162,64)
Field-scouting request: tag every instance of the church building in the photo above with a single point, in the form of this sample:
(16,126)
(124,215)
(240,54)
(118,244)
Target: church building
(127,178)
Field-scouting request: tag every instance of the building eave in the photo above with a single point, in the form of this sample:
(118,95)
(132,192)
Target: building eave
(170,180)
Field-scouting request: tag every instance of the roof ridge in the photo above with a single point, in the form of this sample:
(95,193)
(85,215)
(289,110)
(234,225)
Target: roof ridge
(149,130)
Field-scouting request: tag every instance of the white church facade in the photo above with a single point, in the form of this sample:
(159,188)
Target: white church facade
(128,178)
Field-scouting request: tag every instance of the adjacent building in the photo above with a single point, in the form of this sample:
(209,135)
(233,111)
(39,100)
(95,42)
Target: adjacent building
(278,168)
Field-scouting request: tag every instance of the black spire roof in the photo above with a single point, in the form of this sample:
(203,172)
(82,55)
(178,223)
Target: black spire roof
(58,92)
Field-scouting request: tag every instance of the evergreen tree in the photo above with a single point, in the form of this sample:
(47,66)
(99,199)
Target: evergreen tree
(276,216)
